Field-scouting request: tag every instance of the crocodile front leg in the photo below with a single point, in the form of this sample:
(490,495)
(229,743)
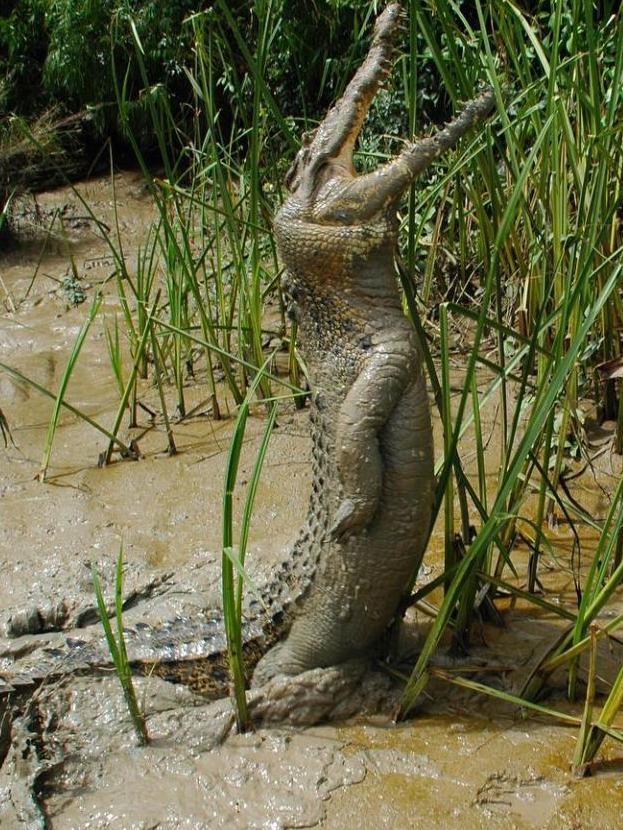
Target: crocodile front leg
(366,409)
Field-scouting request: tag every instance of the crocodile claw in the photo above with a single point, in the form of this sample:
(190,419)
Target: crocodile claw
(349,518)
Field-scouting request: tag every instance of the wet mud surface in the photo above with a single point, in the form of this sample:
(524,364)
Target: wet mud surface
(70,756)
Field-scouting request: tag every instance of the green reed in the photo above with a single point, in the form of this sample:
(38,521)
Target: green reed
(216,258)
(531,198)
(5,430)
(117,648)
(62,389)
(233,575)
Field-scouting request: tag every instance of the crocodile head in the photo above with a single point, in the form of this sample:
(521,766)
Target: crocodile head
(327,152)
(324,186)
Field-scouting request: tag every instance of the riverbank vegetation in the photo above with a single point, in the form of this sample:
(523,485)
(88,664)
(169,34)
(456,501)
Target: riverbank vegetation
(514,240)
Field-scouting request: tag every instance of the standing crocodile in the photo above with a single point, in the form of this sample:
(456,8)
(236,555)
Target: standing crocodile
(372,450)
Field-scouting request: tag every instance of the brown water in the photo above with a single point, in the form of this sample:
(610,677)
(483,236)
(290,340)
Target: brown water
(462,762)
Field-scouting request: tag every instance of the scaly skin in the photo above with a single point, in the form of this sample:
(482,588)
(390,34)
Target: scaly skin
(372,491)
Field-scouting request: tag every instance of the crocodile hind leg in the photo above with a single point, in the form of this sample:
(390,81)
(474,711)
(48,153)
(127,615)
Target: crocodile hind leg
(78,608)
(38,619)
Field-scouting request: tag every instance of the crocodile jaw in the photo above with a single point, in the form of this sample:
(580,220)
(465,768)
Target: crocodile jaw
(331,145)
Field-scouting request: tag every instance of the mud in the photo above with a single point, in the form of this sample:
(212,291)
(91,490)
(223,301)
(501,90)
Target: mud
(70,755)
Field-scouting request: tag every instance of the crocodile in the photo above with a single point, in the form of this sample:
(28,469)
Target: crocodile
(372,450)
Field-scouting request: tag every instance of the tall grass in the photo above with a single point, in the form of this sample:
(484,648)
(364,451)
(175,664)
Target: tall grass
(66,375)
(537,206)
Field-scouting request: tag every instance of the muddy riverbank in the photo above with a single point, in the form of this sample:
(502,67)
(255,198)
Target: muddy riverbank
(462,762)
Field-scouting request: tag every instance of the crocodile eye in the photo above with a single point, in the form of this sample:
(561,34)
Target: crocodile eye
(292,176)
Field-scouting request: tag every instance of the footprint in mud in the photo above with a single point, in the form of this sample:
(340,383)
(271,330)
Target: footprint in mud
(531,798)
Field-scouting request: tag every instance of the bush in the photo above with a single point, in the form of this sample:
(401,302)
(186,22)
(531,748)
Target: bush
(66,53)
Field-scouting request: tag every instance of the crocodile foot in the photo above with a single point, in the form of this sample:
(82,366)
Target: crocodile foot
(325,694)
(38,619)
(315,696)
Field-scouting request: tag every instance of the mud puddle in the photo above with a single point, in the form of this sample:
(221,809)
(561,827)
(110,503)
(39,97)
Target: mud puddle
(463,762)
